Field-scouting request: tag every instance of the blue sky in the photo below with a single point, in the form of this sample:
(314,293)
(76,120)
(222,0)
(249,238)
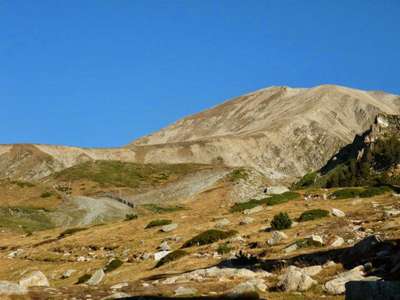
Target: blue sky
(104,72)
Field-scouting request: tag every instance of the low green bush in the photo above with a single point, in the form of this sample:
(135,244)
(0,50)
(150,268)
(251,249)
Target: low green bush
(273,200)
(313,214)
(346,193)
(129,217)
(163,209)
(70,231)
(158,222)
(46,194)
(239,207)
(83,278)
(172,256)
(112,265)
(281,221)
(209,237)
(307,243)
(374,191)
(306,181)
(224,249)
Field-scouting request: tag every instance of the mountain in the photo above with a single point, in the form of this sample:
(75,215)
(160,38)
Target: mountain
(281,132)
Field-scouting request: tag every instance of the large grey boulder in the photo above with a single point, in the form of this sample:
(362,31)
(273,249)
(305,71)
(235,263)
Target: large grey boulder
(8,288)
(35,278)
(372,290)
(159,255)
(96,278)
(294,279)
(336,286)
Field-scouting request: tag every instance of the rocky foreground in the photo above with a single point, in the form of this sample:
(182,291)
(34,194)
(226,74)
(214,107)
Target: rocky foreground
(353,251)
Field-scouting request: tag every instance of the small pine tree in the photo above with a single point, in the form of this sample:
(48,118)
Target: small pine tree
(281,221)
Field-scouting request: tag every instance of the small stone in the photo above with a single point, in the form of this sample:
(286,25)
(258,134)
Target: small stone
(291,248)
(164,246)
(338,213)
(68,273)
(392,213)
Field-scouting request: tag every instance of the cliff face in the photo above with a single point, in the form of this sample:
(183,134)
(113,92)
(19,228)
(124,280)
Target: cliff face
(281,132)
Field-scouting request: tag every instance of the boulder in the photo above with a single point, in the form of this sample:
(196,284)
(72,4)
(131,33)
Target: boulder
(160,254)
(392,213)
(35,278)
(294,279)
(336,286)
(316,239)
(164,246)
(291,248)
(251,286)
(338,241)
(169,227)
(338,213)
(278,189)
(96,278)
(8,288)
(372,290)
(185,291)
(312,270)
(119,286)
(277,237)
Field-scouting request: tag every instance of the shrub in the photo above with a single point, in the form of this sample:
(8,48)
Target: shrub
(307,243)
(163,209)
(238,207)
(70,231)
(346,193)
(83,278)
(46,195)
(281,221)
(209,237)
(112,265)
(174,255)
(237,175)
(374,191)
(306,181)
(313,214)
(129,217)
(158,222)
(273,200)
(224,249)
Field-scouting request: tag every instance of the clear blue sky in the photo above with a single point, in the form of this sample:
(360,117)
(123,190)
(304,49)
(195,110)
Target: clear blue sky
(104,72)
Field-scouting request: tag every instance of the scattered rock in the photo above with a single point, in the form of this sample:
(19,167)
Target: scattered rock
(338,213)
(164,246)
(169,227)
(392,213)
(160,254)
(96,278)
(246,221)
(35,278)
(291,248)
(252,285)
(118,295)
(339,241)
(316,239)
(277,237)
(295,279)
(119,286)
(253,210)
(222,223)
(15,253)
(312,270)
(278,189)
(10,288)
(67,273)
(185,291)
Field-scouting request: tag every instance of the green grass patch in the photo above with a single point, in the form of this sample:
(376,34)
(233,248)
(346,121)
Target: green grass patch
(307,243)
(46,194)
(238,174)
(113,265)
(126,174)
(374,191)
(359,192)
(306,181)
(70,231)
(209,237)
(313,214)
(129,217)
(25,219)
(158,209)
(273,200)
(174,255)
(83,278)
(158,222)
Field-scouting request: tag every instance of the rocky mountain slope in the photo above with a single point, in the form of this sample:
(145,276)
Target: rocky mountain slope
(282,132)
